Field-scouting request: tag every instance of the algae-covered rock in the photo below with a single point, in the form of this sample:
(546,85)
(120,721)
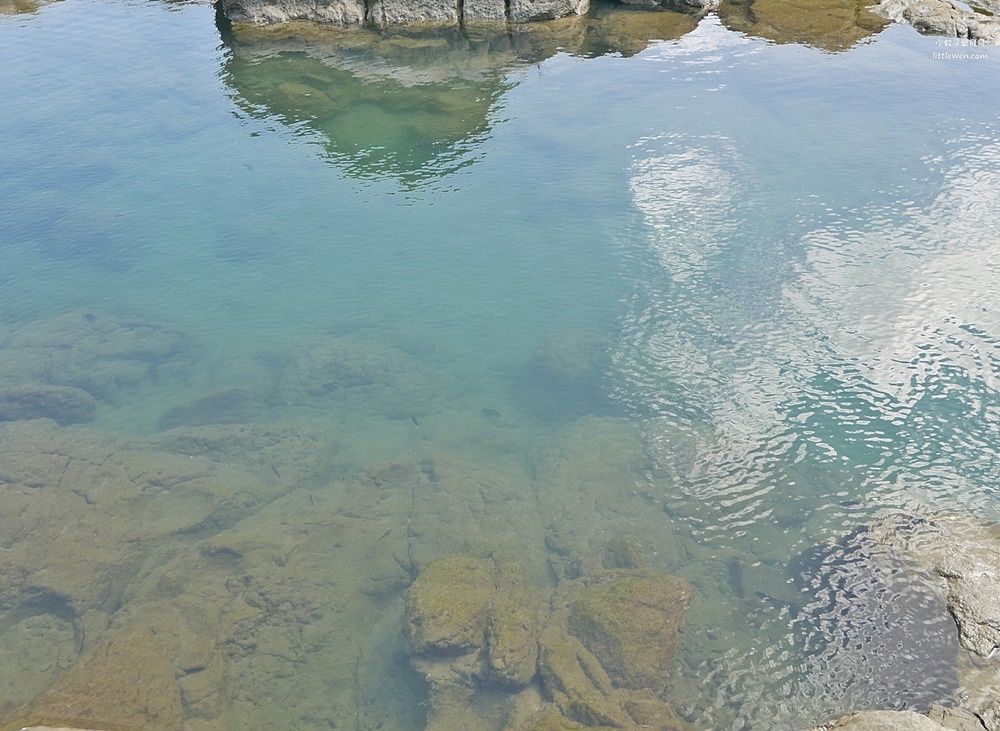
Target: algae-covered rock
(472,624)
(574,679)
(447,605)
(631,621)
(63,404)
(512,628)
(126,682)
(607,648)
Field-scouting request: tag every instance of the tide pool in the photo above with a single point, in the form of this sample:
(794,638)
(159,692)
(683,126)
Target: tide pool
(311,311)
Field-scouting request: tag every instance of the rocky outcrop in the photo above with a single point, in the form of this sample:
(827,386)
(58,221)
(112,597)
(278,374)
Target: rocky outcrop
(388,13)
(944,18)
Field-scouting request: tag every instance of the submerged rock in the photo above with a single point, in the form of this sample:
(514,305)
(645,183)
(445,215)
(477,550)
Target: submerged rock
(89,351)
(602,658)
(631,621)
(963,554)
(63,404)
(369,377)
(126,682)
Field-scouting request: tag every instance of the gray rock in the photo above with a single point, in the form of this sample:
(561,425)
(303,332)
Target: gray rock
(338,12)
(393,12)
(881,721)
(942,18)
(964,553)
(522,11)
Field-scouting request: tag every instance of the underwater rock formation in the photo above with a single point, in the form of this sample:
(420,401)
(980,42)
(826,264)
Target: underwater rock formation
(601,658)
(125,682)
(353,374)
(92,352)
(63,404)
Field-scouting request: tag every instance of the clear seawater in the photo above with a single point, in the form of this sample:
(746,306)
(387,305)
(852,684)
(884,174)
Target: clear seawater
(788,259)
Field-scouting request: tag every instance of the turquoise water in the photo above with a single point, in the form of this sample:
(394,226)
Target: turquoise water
(777,266)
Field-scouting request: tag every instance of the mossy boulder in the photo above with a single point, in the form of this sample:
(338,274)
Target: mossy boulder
(446,609)
(631,622)
(466,603)
(512,628)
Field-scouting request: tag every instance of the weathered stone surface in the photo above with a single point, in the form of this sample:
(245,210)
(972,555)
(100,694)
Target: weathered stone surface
(394,12)
(631,621)
(63,404)
(447,605)
(964,553)
(338,12)
(944,18)
(957,719)
(521,11)
(881,721)
(126,682)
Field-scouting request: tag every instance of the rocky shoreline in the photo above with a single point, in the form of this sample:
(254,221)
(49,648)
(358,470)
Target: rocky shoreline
(233,566)
(811,22)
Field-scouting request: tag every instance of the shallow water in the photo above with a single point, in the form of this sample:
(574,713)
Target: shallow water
(776,265)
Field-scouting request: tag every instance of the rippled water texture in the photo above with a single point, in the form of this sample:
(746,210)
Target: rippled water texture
(308,311)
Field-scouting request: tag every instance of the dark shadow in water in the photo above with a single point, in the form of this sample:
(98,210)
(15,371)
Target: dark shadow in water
(412,104)
(876,630)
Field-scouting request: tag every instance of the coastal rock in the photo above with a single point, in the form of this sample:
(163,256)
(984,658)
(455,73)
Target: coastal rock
(390,13)
(337,12)
(126,682)
(522,11)
(63,404)
(963,553)
(944,18)
(881,721)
